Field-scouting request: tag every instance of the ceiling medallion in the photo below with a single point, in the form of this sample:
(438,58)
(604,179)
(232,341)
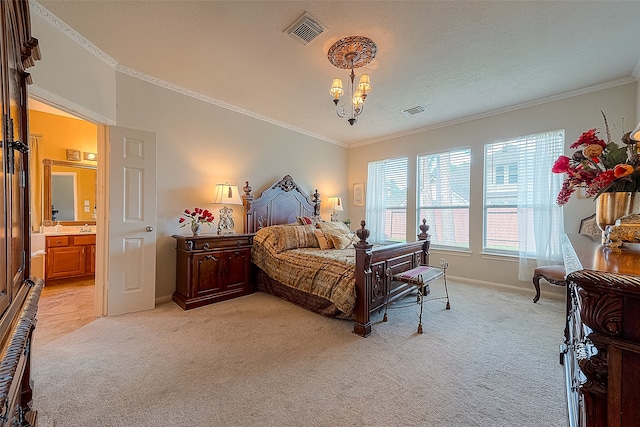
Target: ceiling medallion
(352,52)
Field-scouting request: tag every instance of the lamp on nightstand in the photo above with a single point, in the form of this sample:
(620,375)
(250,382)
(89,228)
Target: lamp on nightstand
(635,134)
(226,195)
(334,204)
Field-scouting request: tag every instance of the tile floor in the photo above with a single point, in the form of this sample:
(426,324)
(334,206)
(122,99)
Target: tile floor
(63,308)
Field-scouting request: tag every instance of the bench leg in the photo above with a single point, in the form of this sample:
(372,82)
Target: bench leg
(421,297)
(446,291)
(536,284)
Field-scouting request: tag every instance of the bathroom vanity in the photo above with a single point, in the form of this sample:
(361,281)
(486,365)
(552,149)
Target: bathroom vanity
(70,255)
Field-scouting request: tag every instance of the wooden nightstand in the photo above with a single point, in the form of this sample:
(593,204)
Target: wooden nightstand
(212,268)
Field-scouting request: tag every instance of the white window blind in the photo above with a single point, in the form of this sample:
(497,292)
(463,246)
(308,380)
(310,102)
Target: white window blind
(386,212)
(520,192)
(443,196)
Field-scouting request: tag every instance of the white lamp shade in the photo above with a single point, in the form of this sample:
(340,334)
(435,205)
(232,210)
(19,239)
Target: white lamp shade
(227,195)
(334,204)
(635,134)
(364,85)
(336,88)
(358,99)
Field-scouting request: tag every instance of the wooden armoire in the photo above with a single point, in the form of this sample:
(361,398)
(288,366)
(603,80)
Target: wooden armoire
(19,292)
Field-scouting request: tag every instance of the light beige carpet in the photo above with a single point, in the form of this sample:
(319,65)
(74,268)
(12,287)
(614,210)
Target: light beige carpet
(492,360)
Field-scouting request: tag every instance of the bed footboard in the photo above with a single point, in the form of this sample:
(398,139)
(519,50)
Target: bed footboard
(373,284)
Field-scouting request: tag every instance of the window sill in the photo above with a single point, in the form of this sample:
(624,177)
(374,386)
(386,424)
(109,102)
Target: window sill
(500,257)
(453,251)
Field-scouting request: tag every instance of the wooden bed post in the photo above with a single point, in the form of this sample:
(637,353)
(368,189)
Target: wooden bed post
(247,198)
(424,256)
(362,324)
(316,203)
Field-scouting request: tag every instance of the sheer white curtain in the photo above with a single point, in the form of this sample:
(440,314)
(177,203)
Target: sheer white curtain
(540,219)
(376,201)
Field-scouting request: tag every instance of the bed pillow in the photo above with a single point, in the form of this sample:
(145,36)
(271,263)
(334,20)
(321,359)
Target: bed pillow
(308,220)
(324,242)
(342,241)
(333,226)
(296,236)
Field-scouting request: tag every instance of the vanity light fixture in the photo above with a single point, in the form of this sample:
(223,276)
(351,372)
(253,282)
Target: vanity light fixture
(90,156)
(226,195)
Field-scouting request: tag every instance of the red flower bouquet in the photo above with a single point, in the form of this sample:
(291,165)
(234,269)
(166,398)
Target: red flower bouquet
(599,166)
(197,215)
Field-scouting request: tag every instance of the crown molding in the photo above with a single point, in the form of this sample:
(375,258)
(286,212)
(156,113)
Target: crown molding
(94,50)
(496,112)
(196,95)
(58,24)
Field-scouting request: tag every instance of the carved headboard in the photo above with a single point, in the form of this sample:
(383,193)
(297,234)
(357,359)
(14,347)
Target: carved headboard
(281,203)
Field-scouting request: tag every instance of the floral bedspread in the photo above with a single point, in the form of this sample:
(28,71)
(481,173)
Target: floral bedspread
(325,273)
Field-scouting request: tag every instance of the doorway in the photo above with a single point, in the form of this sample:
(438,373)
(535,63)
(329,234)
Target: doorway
(67,303)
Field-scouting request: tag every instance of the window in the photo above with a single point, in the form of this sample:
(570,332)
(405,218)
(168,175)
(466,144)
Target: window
(511,204)
(443,196)
(387,200)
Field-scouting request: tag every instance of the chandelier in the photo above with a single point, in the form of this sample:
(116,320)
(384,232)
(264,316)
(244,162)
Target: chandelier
(349,53)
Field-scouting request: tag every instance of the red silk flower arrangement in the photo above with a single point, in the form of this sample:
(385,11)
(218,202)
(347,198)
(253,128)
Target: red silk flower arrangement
(197,215)
(599,166)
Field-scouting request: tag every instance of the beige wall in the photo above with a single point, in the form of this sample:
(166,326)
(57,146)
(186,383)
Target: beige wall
(575,115)
(200,145)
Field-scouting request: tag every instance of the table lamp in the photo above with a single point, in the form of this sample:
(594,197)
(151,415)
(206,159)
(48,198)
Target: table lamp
(334,204)
(226,195)
(635,134)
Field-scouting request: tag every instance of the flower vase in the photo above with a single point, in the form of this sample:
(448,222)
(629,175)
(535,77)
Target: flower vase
(614,205)
(196,228)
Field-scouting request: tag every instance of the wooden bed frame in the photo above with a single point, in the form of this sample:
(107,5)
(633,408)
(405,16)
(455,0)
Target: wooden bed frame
(283,201)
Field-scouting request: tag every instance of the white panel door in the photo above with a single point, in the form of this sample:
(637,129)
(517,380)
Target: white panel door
(132,221)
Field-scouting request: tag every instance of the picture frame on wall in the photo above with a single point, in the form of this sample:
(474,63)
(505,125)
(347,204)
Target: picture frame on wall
(358,194)
(73,155)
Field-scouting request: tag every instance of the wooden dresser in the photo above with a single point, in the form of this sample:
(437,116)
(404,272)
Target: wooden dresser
(601,352)
(211,268)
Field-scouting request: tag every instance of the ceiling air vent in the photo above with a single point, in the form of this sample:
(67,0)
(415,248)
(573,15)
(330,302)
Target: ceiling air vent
(305,29)
(414,110)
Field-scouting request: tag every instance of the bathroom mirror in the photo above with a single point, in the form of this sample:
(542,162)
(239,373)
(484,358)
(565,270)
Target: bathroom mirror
(69,193)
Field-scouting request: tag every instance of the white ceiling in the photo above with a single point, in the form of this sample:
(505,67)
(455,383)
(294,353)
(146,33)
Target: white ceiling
(460,59)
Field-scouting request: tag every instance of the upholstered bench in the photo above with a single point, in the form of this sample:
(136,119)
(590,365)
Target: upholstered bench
(421,277)
(553,274)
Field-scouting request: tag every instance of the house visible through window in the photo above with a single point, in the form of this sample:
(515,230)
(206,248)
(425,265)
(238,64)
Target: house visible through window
(443,196)
(513,173)
(386,214)
(499,175)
